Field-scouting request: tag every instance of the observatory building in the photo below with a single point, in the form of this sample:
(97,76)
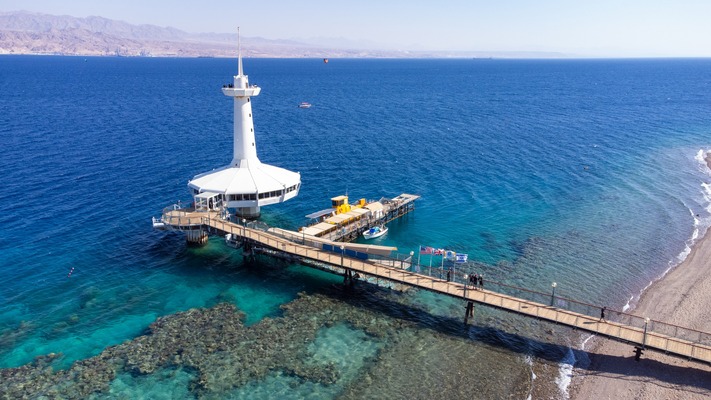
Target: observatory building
(246,184)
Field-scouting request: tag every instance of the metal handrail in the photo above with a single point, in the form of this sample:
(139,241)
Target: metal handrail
(670,332)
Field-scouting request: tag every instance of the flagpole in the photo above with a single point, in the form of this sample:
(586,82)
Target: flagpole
(419,254)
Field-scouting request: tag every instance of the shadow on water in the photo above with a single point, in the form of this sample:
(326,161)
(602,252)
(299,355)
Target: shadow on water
(194,262)
(625,368)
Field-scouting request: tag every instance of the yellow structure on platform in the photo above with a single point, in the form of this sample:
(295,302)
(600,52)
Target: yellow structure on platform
(340,204)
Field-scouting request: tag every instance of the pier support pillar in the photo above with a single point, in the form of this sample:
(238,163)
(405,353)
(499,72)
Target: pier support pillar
(247,252)
(250,213)
(348,278)
(469,311)
(196,237)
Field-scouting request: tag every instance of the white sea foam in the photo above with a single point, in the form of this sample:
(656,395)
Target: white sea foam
(682,256)
(585,341)
(628,304)
(565,372)
(529,362)
(707,195)
(701,224)
(698,223)
(566,366)
(706,186)
(701,156)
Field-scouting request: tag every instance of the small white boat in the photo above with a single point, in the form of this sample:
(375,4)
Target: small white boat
(304,105)
(374,232)
(158,223)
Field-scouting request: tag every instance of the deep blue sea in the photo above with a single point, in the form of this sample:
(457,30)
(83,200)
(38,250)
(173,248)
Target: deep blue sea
(588,173)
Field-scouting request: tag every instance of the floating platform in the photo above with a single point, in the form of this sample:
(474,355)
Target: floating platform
(344,222)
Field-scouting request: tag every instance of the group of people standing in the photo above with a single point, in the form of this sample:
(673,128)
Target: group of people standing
(476,279)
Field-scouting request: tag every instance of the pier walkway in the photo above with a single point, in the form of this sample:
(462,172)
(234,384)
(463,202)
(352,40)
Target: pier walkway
(642,333)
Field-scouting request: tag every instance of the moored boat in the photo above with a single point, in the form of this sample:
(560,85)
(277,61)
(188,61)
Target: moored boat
(375,232)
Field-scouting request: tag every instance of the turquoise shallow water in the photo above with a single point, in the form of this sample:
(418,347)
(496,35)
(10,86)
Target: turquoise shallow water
(586,173)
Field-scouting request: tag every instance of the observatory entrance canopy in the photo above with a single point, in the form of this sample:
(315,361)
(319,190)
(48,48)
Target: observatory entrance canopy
(208,201)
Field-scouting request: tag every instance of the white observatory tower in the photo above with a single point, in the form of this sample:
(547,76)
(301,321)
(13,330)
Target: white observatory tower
(245,184)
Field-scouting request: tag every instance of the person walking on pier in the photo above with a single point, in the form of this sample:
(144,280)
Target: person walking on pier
(481,281)
(602,314)
(473,279)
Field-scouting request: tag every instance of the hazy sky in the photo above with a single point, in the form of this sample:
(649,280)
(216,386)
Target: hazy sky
(616,28)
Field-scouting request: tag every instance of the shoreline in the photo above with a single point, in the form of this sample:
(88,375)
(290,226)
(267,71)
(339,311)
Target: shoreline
(681,297)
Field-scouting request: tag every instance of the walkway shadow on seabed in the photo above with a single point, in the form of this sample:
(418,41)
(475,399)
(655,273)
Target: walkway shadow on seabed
(617,367)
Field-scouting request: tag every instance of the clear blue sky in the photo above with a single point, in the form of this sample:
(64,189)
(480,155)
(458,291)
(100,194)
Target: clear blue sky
(622,28)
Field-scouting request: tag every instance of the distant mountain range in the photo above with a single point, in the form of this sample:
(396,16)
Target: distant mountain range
(24,32)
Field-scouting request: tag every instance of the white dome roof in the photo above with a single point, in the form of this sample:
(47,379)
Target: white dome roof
(254,178)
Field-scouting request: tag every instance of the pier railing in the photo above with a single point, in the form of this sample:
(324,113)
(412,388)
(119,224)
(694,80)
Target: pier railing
(619,325)
(403,269)
(561,302)
(461,275)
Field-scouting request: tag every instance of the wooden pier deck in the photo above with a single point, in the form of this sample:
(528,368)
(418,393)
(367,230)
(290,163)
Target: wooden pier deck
(636,335)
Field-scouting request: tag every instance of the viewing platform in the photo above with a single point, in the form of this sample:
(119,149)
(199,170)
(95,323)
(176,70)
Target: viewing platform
(232,91)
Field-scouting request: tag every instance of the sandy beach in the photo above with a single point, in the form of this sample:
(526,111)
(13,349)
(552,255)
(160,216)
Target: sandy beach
(682,297)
